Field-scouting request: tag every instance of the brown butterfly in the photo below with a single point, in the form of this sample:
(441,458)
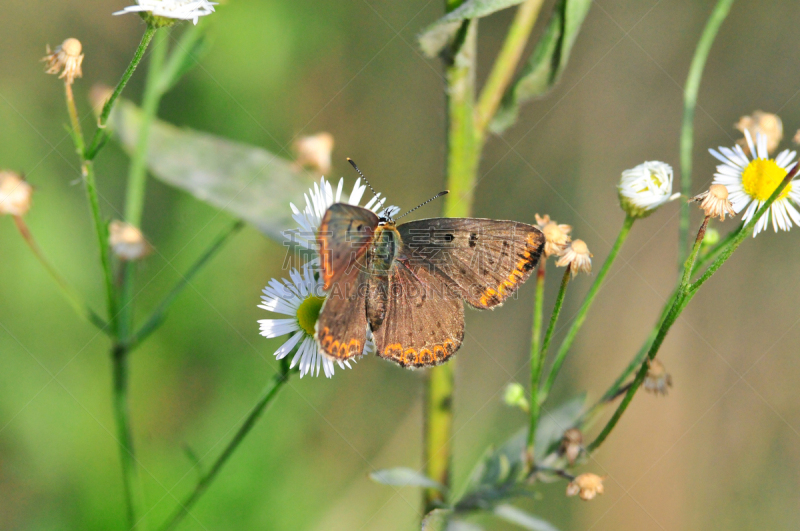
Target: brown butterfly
(406,283)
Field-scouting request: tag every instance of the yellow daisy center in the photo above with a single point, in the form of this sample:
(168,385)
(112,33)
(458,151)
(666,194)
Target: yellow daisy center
(761,177)
(308,313)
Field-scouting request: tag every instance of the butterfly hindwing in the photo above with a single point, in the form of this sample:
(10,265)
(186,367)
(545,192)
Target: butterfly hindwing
(485,260)
(344,236)
(423,324)
(342,323)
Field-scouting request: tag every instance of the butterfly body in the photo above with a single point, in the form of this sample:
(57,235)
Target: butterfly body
(406,283)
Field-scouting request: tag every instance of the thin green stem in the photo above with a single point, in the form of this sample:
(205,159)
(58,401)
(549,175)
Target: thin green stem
(160,313)
(72,296)
(687,128)
(536,355)
(74,120)
(566,344)
(275,385)
(535,405)
(506,63)
(100,134)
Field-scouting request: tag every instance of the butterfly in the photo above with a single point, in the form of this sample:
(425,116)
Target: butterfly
(405,284)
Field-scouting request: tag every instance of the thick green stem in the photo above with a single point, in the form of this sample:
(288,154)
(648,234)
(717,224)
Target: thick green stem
(101,134)
(276,384)
(506,63)
(536,366)
(687,128)
(566,344)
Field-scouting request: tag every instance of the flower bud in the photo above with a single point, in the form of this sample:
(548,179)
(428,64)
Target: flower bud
(65,60)
(515,396)
(587,485)
(127,242)
(768,124)
(571,445)
(577,257)
(15,194)
(314,151)
(645,188)
(556,236)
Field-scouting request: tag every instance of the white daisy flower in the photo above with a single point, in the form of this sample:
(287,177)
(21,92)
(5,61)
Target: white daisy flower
(177,9)
(645,188)
(320,198)
(300,298)
(751,182)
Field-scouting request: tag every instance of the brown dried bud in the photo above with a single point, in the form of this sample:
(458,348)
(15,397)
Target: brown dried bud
(15,194)
(714,202)
(127,242)
(657,381)
(571,445)
(768,124)
(556,236)
(586,485)
(314,151)
(577,257)
(65,60)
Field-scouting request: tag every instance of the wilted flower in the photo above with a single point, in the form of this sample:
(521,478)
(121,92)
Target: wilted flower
(577,257)
(587,485)
(515,397)
(65,60)
(314,151)
(15,194)
(751,182)
(171,9)
(556,236)
(301,298)
(127,242)
(571,445)
(644,188)
(657,381)
(714,202)
(767,124)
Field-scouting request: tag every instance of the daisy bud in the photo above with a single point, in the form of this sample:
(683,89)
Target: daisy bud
(714,202)
(577,257)
(515,397)
(314,151)
(657,380)
(767,124)
(571,445)
(65,60)
(15,194)
(556,236)
(711,238)
(164,13)
(586,485)
(644,188)
(127,242)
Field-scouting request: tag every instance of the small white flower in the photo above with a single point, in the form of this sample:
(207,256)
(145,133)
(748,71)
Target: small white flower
(300,298)
(320,198)
(646,187)
(751,182)
(177,9)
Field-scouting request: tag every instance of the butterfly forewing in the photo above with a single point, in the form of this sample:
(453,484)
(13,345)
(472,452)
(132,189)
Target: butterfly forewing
(484,260)
(344,235)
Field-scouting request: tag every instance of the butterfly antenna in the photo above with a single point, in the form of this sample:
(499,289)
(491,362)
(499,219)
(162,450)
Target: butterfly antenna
(437,196)
(353,164)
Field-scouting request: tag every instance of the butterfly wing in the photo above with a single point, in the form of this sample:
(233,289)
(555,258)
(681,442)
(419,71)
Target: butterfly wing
(424,320)
(344,235)
(484,260)
(342,325)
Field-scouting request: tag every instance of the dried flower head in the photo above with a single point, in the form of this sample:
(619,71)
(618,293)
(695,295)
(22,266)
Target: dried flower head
(15,194)
(161,13)
(571,445)
(127,242)
(645,188)
(314,151)
(556,236)
(765,123)
(65,60)
(657,380)
(586,485)
(796,137)
(714,202)
(577,257)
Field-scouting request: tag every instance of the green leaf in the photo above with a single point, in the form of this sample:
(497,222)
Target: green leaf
(247,181)
(509,513)
(547,62)
(407,477)
(437,36)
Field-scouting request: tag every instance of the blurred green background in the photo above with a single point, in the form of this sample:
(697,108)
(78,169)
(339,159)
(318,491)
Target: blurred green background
(721,452)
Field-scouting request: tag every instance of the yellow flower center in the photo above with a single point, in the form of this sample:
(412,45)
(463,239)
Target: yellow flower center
(308,313)
(761,177)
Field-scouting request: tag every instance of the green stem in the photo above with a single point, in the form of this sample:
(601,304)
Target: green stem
(689,103)
(101,135)
(536,371)
(278,381)
(160,313)
(506,63)
(566,344)
(536,353)
(77,133)
(72,296)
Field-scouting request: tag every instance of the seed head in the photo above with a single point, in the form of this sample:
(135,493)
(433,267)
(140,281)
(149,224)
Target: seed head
(556,236)
(65,60)
(15,194)
(714,202)
(577,257)
(586,485)
(768,124)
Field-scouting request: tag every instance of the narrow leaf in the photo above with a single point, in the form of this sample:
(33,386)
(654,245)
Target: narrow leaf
(509,513)
(437,520)
(247,181)
(405,477)
(434,39)
(547,62)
